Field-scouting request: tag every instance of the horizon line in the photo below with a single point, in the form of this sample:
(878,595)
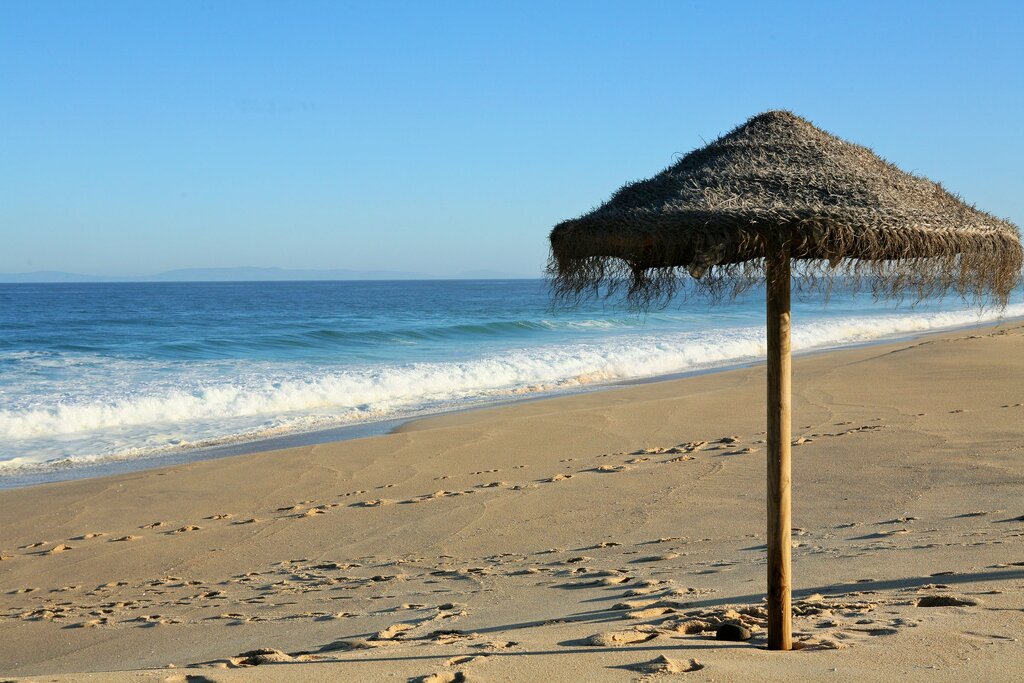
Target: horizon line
(255,274)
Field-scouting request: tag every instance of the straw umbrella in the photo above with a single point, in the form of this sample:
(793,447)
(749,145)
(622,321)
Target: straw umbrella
(777,195)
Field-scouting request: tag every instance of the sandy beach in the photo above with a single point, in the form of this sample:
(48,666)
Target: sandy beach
(597,537)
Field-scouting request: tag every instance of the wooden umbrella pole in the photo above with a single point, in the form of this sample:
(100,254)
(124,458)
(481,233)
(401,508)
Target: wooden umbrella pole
(780,630)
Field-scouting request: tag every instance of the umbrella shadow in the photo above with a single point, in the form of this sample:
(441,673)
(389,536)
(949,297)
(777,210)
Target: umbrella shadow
(575,647)
(676,646)
(869,586)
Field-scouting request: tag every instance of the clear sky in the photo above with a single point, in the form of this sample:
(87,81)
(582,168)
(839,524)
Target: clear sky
(438,136)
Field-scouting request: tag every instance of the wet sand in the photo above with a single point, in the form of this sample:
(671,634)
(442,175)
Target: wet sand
(601,536)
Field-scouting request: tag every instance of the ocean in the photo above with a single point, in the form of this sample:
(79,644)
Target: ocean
(104,373)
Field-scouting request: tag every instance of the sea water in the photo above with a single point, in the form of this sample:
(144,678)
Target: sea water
(100,372)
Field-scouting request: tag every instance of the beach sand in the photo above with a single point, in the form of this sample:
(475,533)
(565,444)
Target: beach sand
(595,537)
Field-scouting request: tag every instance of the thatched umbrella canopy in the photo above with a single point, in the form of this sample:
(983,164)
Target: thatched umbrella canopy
(711,214)
(774,194)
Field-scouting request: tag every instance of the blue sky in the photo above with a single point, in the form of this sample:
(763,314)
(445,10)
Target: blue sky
(437,136)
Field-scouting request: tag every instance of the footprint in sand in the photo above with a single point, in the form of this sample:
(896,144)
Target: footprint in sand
(618,638)
(30,546)
(374,503)
(150,620)
(442,677)
(393,631)
(634,604)
(649,613)
(558,477)
(610,468)
(185,529)
(740,451)
(525,571)
(58,549)
(1019,518)
(121,539)
(976,513)
(809,642)
(496,645)
(882,534)
(220,516)
(663,665)
(86,537)
(251,520)
(643,590)
(152,525)
(613,580)
(656,558)
(188,678)
(92,623)
(899,520)
(437,494)
(264,655)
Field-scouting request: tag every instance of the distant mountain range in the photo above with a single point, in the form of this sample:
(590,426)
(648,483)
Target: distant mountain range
(246,274)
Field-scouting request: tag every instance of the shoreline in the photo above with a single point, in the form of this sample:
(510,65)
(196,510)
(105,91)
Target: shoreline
(576,537)
(113,466)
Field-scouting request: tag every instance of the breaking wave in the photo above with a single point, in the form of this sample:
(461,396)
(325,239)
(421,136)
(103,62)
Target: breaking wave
(207,403)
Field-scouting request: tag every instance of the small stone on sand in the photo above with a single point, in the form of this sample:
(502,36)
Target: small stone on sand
(945,601)
(732,631)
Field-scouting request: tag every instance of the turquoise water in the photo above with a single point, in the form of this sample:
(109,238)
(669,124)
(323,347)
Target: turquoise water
(91,373)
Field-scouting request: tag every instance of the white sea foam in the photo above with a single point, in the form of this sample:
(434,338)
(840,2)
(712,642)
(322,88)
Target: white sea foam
(127,420)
